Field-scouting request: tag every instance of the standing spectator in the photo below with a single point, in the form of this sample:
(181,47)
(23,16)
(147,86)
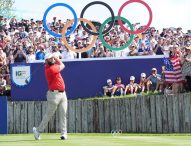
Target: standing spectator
(186,68)
(30,58)
(2,85)
(68,54)
(158,50)
(40,53)
(19,55)
(3,57)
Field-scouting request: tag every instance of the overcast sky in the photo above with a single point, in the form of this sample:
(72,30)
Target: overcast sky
(166,13)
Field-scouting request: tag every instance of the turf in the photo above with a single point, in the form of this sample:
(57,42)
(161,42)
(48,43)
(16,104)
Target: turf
(96,140)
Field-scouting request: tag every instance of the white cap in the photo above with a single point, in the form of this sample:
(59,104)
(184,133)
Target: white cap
(154,69)
(132,78)
(48,56)
(143,75)
(109,80)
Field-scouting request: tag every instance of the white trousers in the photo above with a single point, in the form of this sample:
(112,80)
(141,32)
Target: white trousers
(55,100)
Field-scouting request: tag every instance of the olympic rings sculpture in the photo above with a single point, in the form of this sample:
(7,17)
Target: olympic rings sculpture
(101,31)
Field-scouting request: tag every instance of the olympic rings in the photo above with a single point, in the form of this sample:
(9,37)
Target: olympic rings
(94,32)
(107,45)
(83,49)
(112,19)
(137,31)
(64,5)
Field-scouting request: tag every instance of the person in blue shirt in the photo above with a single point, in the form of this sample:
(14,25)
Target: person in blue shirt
(153,81)
(40,54)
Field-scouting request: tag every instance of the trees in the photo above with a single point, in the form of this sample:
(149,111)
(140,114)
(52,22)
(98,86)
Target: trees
(5,7)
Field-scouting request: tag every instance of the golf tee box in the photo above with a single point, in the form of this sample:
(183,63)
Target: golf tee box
(3,115)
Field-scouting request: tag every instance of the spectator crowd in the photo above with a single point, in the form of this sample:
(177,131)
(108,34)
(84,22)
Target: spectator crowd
(26,41)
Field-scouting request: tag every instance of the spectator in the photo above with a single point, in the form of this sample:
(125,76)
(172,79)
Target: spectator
(68,54)
(143,83)
(153,81)
(158,50)
(40,53)
(132,87)
(30,58)
(3,57)
(108,89)
(186,68)
(2,85)
(133,50)
(118,88)
(19,55)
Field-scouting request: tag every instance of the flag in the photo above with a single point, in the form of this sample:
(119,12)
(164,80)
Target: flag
(173,70)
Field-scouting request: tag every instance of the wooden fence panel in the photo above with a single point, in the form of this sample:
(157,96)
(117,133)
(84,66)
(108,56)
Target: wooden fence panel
(170,114)
(101,116)
(158,114)
(10,117)
(176,113)
(155,114)
(23,110)
(107,116)
(128,117)
(78,117)
(84,116)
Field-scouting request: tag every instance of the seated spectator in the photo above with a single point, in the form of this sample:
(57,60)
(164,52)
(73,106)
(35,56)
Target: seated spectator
(132,87)
(108,89)
(118,88)
(2,85)
(153,81)
(143,83)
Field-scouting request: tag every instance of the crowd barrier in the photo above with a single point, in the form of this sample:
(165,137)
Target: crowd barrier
(84,78)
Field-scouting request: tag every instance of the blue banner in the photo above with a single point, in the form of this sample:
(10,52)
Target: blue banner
(85,78)
(3,115)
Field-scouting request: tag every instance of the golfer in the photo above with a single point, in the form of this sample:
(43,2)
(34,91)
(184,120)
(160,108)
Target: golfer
(56,96)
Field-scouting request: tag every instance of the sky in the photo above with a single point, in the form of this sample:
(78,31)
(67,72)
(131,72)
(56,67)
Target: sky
(166,13)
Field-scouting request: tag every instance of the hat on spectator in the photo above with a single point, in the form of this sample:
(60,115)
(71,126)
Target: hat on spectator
(143,75)
(132,78)
(109,81)
(48,56)
(188,48)
(154,69)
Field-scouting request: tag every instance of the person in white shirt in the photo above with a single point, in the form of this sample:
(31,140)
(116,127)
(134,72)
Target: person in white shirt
(30,58)
(68,54)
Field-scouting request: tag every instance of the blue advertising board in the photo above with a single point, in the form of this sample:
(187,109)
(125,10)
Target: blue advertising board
(85,78)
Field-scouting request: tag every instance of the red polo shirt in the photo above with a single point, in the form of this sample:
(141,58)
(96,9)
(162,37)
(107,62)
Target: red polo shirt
(54,78)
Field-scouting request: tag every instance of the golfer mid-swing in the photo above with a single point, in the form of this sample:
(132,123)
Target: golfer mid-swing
(56,96)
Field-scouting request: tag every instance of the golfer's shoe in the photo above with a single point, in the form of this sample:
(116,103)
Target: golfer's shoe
(64,137)
(36,133)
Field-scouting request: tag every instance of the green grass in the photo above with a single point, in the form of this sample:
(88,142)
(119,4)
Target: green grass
(97,140)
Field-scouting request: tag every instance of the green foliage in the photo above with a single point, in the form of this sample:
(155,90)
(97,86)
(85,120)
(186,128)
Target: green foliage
(6,7)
